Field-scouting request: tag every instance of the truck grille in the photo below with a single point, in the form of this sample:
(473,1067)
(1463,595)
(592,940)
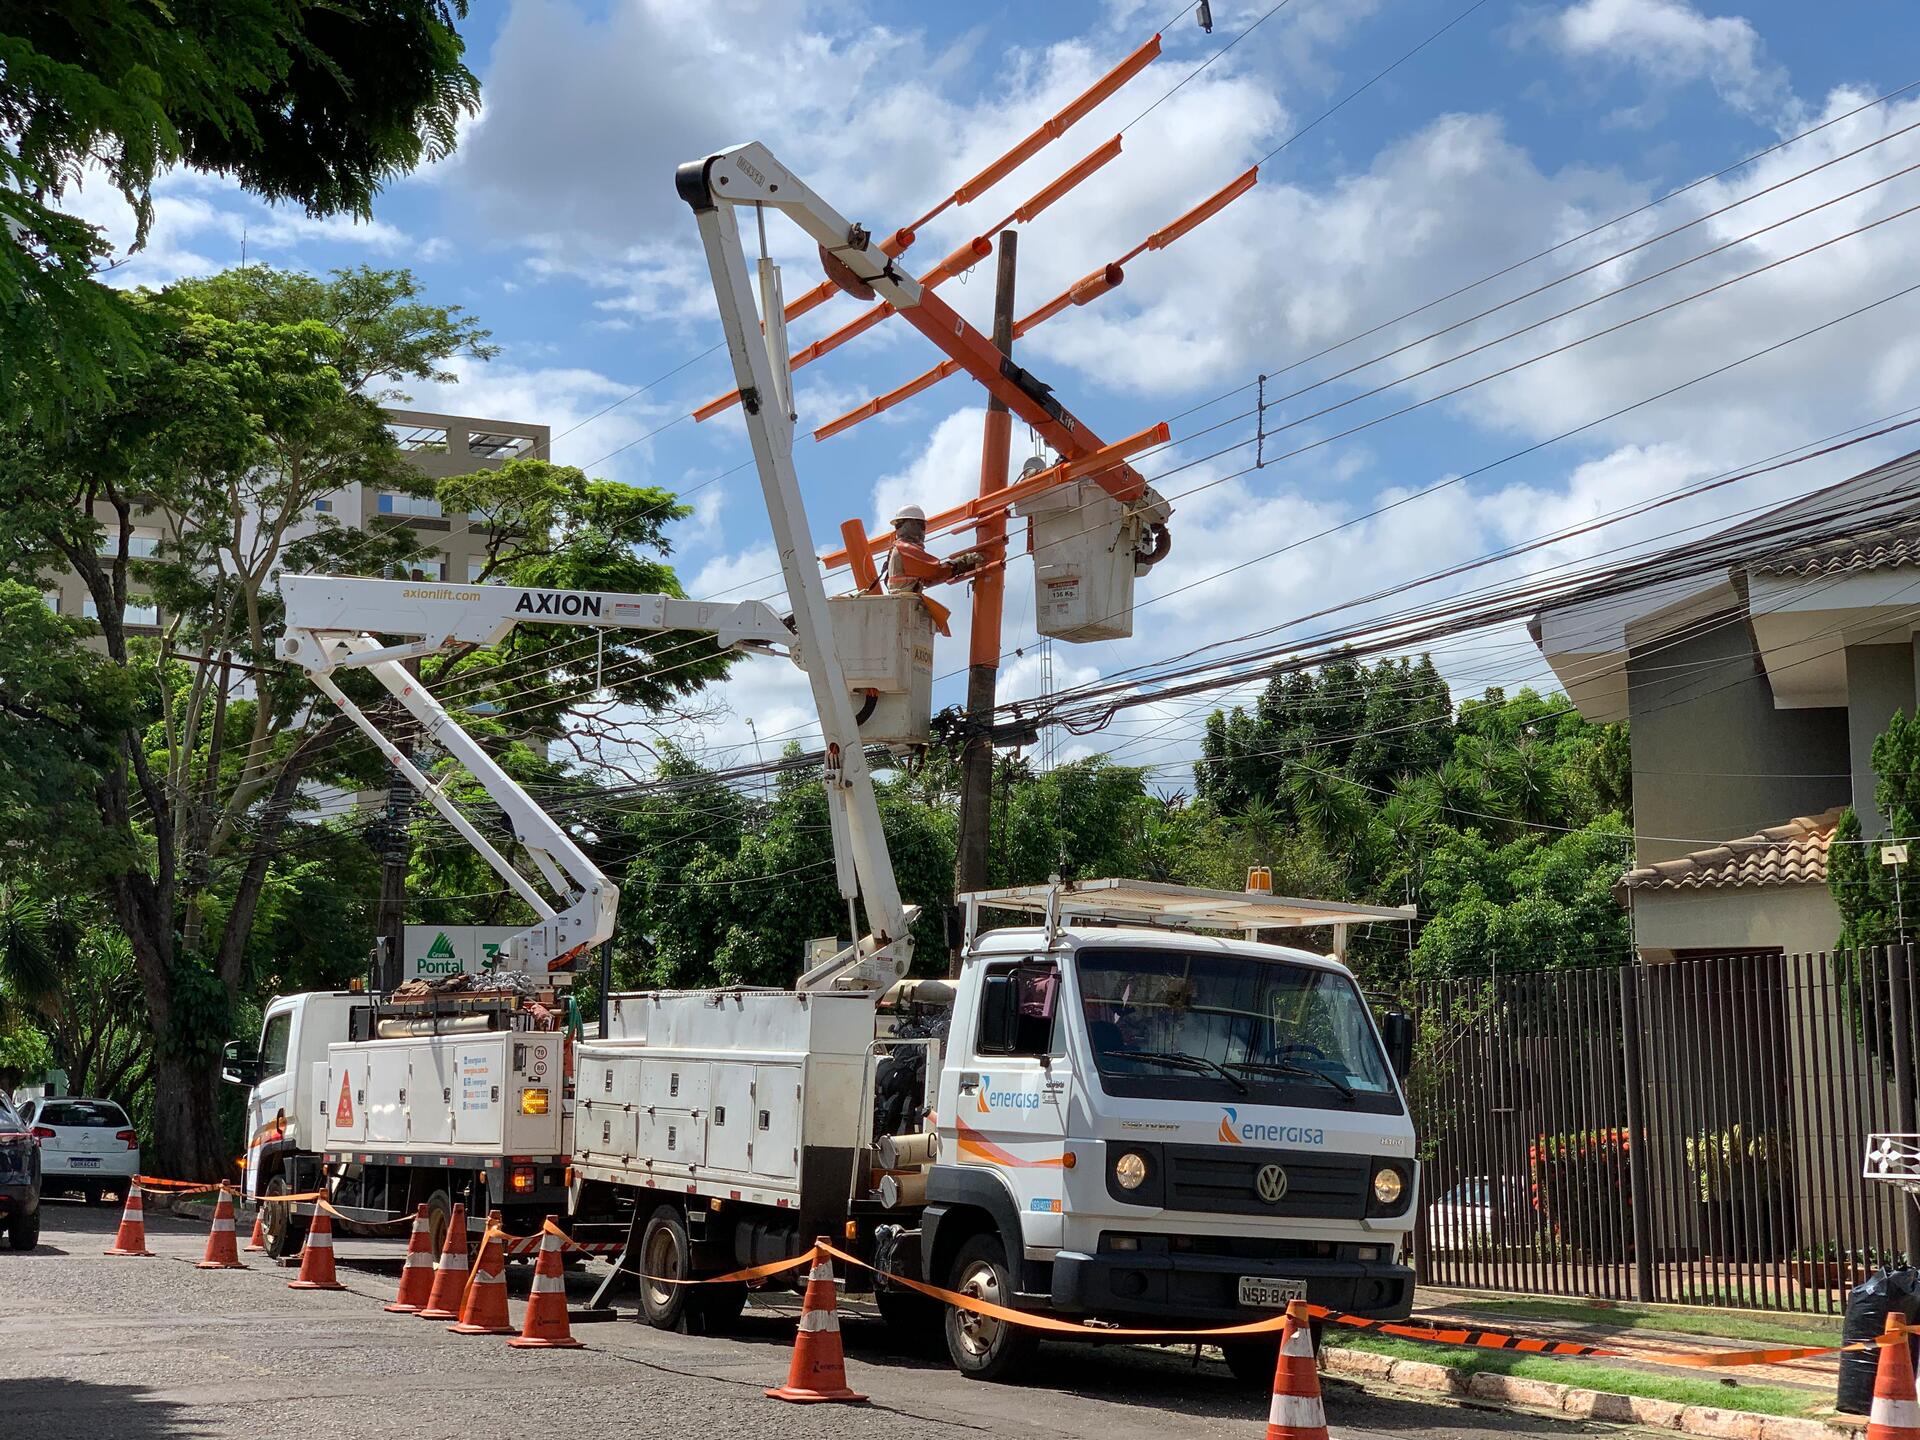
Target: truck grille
(1219,1180)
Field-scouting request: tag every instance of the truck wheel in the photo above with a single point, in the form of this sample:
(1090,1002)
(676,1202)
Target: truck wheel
(24,1232)
(666,1254)
(981,1347)
(286,1231)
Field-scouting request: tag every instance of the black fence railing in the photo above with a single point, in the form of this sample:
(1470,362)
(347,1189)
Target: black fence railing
(1689,1133)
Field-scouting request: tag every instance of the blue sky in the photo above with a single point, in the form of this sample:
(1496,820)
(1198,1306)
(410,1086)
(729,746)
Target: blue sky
(1522,126)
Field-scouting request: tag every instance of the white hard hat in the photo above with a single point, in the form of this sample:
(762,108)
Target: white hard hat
(909,512)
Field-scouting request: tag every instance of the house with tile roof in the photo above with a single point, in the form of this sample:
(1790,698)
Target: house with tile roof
(1755,668)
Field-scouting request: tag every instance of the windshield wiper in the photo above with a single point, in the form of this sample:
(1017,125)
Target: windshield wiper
(1198,1063)
(1292,1067)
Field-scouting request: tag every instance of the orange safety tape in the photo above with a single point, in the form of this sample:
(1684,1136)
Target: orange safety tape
(732,1277)
(1478,1339)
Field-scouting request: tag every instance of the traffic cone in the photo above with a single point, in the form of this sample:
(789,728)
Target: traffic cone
(1296,1412)
(416,1275)
(131,1237)
(258,1240)
(223,1250)
(1896,1411)
(819,1368)
(316,1256)
(484,1311)
(545,1327)
(450,1275)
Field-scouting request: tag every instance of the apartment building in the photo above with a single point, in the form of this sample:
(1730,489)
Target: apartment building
(437,445)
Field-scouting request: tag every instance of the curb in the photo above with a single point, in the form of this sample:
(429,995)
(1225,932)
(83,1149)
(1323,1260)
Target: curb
(1711,1422)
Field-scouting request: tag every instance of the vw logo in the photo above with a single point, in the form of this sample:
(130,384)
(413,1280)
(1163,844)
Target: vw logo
(1270,1184)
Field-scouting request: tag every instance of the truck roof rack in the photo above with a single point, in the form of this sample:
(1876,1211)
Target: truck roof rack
(1180,907)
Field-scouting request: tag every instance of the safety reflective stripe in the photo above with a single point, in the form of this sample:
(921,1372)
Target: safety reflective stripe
(812,1320)
(547,1284)
(319,1239)
(418,1260)
(456,1261)
(822,1271)
(1300,1412)
(1900,1414)
(495,1277)
(1300,1342)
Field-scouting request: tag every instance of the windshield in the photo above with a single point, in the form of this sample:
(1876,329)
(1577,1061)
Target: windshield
(86,1114)
(1168,1022)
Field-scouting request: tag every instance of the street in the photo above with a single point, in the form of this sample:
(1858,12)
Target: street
(153,1349)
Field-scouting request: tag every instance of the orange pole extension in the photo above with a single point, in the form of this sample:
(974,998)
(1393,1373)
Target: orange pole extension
(1089,288)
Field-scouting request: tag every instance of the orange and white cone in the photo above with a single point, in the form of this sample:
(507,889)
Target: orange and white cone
(1296,1412)
(131,1237)
(416,1275)
(316,1256)
(450,1275)
(546,1325)
(223,1248)
(819,1368)
(258,1240)
(484,1311)
(1896,1411)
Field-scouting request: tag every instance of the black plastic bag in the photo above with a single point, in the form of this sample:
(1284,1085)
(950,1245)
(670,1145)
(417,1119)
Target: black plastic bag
(1884,1293)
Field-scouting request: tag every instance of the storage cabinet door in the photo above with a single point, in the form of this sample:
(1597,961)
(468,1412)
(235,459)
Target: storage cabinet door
(669,1084)
(674,1137)
(731,1119)
(776,1122)
(387,1072)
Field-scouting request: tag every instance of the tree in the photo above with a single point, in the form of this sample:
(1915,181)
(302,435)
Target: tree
(317,104)
(221,442)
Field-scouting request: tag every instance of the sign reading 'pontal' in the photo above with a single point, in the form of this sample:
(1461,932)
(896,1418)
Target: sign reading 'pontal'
(433,951)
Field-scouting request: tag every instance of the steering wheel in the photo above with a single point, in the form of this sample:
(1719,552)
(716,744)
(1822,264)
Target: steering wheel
(1296,1047)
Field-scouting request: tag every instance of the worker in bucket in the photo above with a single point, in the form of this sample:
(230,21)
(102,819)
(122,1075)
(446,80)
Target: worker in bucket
(911,566)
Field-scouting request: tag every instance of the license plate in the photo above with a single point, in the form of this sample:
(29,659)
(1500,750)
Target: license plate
(82,1162)
(1264,1294)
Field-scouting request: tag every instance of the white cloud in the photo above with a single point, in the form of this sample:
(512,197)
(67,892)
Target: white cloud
(1670,41)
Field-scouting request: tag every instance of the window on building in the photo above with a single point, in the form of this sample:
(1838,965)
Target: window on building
(391,504)
(140,545)
(140,611)
(52,598)
(323,505)
(476,571)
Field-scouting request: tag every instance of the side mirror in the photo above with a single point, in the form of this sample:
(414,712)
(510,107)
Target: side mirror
(1397,1030)
(240,1063)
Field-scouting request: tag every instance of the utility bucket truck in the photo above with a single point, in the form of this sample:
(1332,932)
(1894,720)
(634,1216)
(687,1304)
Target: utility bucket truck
(1130,1111)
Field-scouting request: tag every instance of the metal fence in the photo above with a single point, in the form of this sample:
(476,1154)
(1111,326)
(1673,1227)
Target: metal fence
(1690,1132)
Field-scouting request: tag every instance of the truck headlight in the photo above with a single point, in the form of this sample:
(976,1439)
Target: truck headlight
(1388,1187)
(1130,1170)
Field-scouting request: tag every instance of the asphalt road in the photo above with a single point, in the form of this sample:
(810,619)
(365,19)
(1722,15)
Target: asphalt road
(128,1349)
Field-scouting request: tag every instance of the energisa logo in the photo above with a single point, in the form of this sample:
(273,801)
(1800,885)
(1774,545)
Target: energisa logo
(992,1099)
(1233,1131)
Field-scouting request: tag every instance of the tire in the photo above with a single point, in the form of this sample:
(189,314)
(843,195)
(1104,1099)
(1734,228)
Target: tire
(665,1251)
(24,1232)
(981,1347)
(286,1231)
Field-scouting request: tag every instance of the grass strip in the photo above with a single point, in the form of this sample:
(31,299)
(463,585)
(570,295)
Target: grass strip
(1590,1375)
(1801,1330)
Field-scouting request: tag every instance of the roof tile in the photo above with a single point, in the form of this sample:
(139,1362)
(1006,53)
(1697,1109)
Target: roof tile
(1791,854)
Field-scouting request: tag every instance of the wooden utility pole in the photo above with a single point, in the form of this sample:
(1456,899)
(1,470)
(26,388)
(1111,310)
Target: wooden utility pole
(989,590)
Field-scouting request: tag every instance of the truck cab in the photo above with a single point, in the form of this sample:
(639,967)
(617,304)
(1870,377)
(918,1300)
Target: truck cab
(1150,1126)
(286,1119)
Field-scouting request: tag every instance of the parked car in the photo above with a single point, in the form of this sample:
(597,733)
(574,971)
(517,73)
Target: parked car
(19,1179)
(87,1147)
(1464,1218)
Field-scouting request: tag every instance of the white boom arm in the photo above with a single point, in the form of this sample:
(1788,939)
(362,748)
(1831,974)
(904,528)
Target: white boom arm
(715,187)
(331,624)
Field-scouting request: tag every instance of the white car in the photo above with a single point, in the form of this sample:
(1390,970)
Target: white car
(1465,1218)
(87,1147)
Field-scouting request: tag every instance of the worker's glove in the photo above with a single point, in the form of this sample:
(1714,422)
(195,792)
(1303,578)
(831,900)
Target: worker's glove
(966,560)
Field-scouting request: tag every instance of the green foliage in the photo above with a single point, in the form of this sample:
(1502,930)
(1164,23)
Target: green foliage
(318,104)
